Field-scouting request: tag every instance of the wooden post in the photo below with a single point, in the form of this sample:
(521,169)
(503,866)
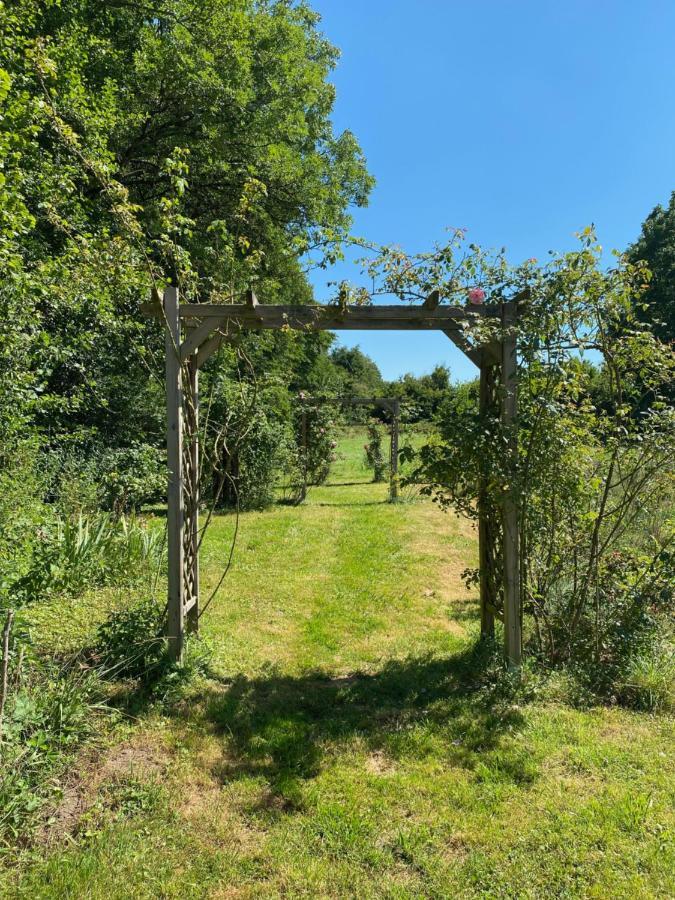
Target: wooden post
(192,614)
(304,438)
(393,454)
(174,447)
(487,600)
(511,549)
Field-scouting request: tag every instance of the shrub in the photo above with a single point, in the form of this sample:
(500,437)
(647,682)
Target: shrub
(86,477)
(262,457)
(649,682)
(130,642)
(593,467)
(375,458)
(617,640)
(130,477)
(247,449)
(22,514)
(316,437)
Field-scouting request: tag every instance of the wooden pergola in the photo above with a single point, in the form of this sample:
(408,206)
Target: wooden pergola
(393,405)
(194,331)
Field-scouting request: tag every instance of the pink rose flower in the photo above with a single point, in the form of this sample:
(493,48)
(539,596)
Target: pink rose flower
(476,296)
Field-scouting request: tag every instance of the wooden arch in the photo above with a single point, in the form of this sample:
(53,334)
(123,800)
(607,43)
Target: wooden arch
(195,331)
(393,405)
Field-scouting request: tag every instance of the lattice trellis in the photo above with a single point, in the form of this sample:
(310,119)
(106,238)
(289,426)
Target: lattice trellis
(190,483)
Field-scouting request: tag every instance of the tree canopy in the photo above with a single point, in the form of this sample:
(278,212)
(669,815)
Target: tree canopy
(656,246)
(145,141)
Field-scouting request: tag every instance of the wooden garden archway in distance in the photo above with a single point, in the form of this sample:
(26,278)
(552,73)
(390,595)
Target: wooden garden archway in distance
(393,404)
(194,331)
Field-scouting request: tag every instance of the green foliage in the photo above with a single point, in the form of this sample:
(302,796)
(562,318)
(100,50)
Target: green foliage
(617,650)
(51,709)
(130,477)
(263,454)
(193,144)
(130,642)
(120,479)
(375,458)
(656,246)
(247,446)
(360,375)
(422,396)
(22,514)
(596,448)
(73,555)
(316,437)
(649,682)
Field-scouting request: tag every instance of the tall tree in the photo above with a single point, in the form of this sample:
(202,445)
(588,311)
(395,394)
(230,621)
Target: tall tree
(656,245)
(146,139)
(362,378)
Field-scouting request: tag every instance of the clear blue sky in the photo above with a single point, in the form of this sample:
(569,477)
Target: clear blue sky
(521,120)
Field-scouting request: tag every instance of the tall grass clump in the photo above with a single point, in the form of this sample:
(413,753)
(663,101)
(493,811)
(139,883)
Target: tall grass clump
(49,708)
(74,554)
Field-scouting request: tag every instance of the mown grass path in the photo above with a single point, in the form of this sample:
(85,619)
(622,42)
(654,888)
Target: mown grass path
(347,746)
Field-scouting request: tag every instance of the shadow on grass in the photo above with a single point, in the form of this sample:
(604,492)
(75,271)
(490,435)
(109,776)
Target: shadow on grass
(331,484)
(280,728)
(362,504)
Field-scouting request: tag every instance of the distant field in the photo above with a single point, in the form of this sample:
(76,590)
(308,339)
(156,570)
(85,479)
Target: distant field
(345,745)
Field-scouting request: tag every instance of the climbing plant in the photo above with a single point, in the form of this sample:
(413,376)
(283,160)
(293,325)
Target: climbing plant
(315,427)
(594,474)
(374,454)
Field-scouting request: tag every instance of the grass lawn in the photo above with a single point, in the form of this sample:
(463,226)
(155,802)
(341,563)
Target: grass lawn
(346,746)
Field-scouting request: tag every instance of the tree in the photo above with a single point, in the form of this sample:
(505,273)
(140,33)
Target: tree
(152,140)
(656,246)
(423,395)
(362,377)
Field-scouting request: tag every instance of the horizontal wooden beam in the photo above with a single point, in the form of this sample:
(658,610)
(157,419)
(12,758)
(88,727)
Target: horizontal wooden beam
(321,318)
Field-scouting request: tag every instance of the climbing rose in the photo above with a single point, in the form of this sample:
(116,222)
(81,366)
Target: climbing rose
(476,296)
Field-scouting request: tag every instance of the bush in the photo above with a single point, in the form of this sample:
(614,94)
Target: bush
(22,514)
(119,479)
(649,682)
(316,438)
(593,469)
(247,449)
(375,459)
(130,642)
(617,643)
(262,457)
(131,477)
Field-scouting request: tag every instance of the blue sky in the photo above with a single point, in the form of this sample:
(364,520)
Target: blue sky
(522,121)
